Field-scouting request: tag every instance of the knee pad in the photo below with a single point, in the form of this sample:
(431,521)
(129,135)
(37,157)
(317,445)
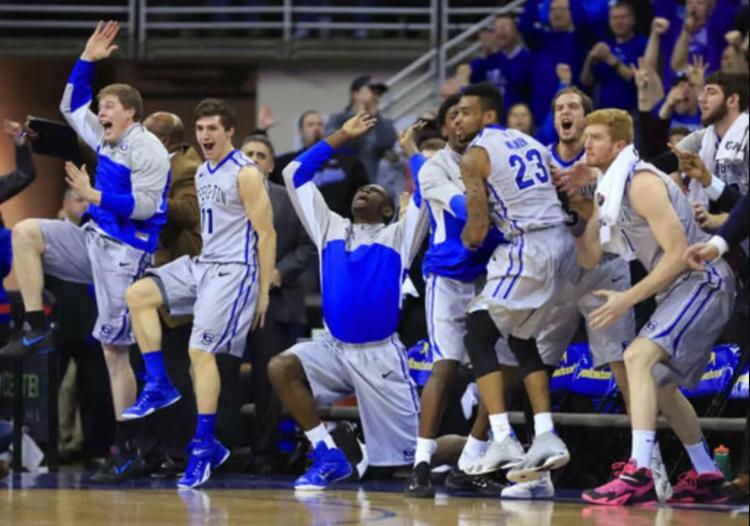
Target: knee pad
(481,337)
(527,354)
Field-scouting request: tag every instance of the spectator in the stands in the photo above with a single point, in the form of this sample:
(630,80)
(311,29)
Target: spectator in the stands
(698,28)
(608,63)
(520,118)
(680,107)
(560,42)
(364,95)
(508,68)
(734,57)
(338,179)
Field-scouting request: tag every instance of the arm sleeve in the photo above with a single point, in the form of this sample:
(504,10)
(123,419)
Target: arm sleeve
(440,191)
(24,174)
(737,227)
(728,199)
(76,103)
(309,204)
(149,178)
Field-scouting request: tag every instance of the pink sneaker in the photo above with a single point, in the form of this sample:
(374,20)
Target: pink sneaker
(700,489)
(632,486)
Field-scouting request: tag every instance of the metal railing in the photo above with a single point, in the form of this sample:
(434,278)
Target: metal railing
(417,86)
(55,22)
(278,24)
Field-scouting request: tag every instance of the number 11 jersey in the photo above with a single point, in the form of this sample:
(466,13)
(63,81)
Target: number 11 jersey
(522,196)
(227,234)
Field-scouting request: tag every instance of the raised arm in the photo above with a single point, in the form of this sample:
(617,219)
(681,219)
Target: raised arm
(475,168)
(309,204)
(252,188)
(78,95)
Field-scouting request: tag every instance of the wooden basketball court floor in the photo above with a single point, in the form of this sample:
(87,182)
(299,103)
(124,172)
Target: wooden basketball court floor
(66,499)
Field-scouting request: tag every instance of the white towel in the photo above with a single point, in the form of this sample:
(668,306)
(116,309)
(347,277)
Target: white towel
(732,146)
(609,193)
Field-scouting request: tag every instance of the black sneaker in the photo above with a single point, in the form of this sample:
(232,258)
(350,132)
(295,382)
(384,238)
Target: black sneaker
(420,483)
(170,469)
(120,466)
(487,484)
(31,342)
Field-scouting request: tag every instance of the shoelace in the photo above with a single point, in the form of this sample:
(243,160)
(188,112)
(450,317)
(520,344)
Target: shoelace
(617,468)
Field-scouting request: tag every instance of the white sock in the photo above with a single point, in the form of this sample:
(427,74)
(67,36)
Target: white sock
(426,447)
(474,447)
(701,458)
(643,448)
(320,434)
(543,423)
(500,425)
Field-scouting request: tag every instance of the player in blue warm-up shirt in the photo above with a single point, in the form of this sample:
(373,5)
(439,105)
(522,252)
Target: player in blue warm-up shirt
(362,266)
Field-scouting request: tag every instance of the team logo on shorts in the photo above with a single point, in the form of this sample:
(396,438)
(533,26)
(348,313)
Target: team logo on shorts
(208,338)
(107,329)
(408,455)
(651,326)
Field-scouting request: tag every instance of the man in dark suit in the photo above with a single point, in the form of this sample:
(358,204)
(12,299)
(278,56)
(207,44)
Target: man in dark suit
(166,436)
(286,317)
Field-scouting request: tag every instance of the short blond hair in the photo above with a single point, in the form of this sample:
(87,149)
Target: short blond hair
(129,97)
(619,122)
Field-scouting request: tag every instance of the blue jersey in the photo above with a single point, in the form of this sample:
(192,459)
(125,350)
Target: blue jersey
(362,266)
(132,175)
(615,91)
(510,74)
(444,194)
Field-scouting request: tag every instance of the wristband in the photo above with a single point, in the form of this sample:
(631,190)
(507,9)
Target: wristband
(720,244)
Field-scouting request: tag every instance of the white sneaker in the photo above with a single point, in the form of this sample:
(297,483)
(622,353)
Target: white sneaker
(661,478)
(499,455)
(547,452)
(541,488)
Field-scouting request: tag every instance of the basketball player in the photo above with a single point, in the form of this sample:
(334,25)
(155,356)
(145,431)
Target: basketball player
(127,208)
(454,277)
(362,266)
(643,214)
(225,287)
(523,275)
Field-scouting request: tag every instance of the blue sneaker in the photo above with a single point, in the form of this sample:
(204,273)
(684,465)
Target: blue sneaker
(153,397)
(198,469)
(329,466)
(219,456)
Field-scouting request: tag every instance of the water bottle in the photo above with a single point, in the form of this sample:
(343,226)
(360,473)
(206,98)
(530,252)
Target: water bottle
(723,461)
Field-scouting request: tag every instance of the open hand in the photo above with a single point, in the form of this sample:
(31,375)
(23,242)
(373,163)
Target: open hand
(406,140)
(99,45)
(616,305)
(78,180)
(358,125)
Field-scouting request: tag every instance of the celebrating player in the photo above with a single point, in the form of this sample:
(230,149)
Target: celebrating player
(362,267)
(225,287)
(644,215)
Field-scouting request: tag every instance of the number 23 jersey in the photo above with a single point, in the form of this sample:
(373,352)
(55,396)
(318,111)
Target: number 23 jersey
(226,232)
(521,194)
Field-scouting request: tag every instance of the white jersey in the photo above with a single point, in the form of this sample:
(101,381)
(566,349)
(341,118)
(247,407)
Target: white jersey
(227,234)
(522,195)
